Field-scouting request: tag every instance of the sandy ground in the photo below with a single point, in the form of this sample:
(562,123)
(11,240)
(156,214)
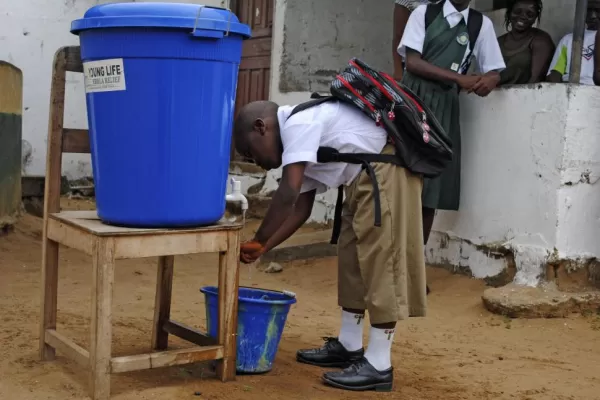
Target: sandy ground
(459,351)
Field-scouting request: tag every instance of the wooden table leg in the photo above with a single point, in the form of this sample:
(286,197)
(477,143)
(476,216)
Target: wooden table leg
(103,265)
(162,303)
(229,267)
(49,286)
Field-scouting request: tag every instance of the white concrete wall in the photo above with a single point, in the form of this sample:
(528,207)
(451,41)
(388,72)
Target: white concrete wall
(579,195)
(325,203)
(530,164)
(30,33)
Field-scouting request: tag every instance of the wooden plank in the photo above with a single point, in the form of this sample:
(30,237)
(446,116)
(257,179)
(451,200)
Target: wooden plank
(165,359)
(76,141)
(187,333)
(73,58)
(55,126)
(103,270)
(70,237)
(229,270)
(256,54)
(170,245)
(162,302)
(257,47)
(67,347)
(49,279)
(89,221)
(251,63)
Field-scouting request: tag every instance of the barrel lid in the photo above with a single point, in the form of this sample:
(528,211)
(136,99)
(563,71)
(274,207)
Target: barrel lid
(160,15)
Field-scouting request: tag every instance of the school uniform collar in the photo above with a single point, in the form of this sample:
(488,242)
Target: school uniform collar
(449,9)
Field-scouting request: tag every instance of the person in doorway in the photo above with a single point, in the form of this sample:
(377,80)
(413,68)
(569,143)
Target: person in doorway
(380,269)
(402,10)
(527,50)
(437,48)
(561,62)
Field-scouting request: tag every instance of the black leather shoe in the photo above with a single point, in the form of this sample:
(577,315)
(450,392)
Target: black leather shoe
(332,355)
(361,376)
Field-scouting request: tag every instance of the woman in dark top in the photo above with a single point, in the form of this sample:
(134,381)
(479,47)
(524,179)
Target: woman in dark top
(527,50)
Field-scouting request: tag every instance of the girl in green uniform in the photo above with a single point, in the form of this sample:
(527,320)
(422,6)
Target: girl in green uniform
(437,59)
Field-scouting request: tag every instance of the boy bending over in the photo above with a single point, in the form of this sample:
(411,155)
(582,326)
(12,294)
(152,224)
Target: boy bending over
(381,269)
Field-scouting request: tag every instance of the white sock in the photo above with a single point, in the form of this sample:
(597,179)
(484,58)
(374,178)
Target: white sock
(379,352)
(351,332)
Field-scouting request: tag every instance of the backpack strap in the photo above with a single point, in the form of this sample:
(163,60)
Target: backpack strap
(316,99)
(473,29)
(433,10)
(329,154)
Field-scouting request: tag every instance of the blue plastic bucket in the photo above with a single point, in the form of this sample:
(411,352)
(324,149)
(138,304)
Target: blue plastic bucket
(261,319)
(160,82)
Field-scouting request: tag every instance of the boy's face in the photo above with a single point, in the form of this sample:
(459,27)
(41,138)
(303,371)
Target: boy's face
(460,4)
(262,144)
(593,15)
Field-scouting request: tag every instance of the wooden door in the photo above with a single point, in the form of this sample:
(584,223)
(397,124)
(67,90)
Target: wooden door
(255,68)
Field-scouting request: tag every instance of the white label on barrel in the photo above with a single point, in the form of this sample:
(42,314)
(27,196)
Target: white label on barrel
(104,75)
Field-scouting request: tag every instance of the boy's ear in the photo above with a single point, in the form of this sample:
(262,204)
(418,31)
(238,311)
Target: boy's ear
(260,126)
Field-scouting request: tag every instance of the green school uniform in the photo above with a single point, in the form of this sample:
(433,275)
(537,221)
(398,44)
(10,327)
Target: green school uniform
(444,47)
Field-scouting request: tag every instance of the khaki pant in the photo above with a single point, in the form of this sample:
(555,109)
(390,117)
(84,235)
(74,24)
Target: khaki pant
(382,269)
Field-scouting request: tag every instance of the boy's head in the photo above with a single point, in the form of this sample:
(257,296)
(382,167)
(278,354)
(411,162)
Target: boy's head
(256,134)
(593,15)
(460,4)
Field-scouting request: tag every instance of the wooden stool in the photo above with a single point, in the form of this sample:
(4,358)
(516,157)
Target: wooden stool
(82,230)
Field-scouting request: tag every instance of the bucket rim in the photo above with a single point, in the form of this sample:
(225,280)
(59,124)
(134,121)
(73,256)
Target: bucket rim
(213,290)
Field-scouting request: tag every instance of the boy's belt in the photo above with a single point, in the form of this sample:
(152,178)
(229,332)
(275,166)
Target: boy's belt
(329,154)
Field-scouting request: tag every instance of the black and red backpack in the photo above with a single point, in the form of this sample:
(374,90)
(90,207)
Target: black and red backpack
(421,144)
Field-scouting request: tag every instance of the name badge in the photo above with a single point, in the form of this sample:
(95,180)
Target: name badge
(463,38)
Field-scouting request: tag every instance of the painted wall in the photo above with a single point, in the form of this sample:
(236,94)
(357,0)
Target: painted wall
(30,33)
(321,36)
(531,161)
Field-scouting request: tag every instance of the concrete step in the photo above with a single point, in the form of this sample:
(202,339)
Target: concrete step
(545,301)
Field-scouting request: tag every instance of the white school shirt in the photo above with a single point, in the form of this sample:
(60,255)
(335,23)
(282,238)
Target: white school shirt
(486,50)
(561,62)
(331,124)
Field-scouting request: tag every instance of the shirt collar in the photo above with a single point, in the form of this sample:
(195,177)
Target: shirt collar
(283,113)
(449,9)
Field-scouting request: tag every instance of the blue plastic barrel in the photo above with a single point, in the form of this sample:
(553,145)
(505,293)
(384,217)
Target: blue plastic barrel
(261,319)
(160,82)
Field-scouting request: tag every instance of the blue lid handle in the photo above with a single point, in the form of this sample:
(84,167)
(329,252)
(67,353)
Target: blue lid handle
(202,30)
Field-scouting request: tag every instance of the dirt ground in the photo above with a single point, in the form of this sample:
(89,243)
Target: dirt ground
(460,351)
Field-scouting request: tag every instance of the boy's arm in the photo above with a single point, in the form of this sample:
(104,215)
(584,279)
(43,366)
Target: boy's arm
(283,202)
(301,212)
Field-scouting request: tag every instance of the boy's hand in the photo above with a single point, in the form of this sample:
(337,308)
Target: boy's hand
(486,84)
(251,251)
(468,82)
